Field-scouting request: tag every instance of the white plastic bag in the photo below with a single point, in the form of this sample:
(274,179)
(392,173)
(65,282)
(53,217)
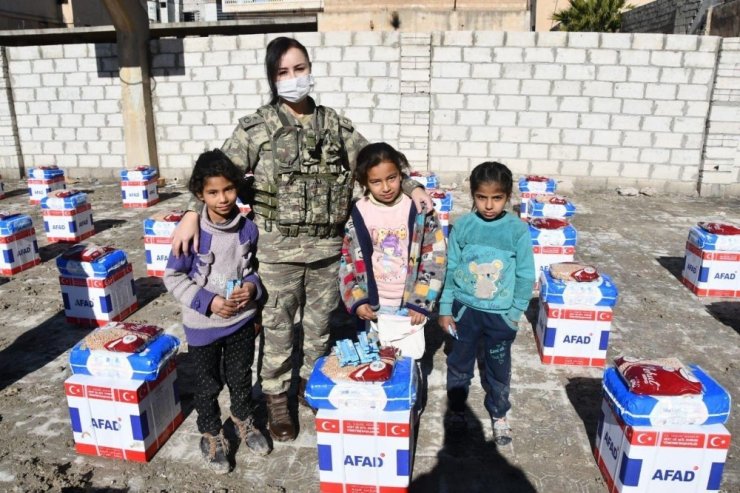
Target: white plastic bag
(397,331)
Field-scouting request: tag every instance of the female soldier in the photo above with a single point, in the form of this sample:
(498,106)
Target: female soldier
(302,157)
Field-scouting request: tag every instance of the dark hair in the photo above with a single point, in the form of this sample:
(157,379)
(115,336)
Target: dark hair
(275,51)
(374,154)
(210,164)
(492,172)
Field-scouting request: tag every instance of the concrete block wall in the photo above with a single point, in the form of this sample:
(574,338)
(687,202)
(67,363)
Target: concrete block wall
(604,109)
(202,86)
(67,107)
(665,16)
(614,108)
(721,160)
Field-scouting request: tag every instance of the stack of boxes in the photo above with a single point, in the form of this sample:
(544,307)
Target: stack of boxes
(139,187)
(574,320)
(97,285)
(712,264)
(17,244)
(553,241)
(67,216)
(531,186)
(364,430)
(123,404)
(668,444)
(43,180)
(443,205)
(158,230)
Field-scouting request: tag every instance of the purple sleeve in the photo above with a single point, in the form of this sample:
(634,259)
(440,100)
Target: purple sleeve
(202,301)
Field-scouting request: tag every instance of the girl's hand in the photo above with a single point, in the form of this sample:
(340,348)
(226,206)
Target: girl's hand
(420,196)
(244,294)
(224,308)
(446,321)
(364,312)
(417,318)
(184,232)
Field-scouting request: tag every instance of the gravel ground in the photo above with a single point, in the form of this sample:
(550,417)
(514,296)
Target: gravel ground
(638,240)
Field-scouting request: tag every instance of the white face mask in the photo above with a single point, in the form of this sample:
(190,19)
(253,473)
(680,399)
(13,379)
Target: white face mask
(294,90)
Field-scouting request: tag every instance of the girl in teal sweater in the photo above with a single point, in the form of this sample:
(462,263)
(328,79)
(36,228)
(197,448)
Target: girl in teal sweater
(490,273)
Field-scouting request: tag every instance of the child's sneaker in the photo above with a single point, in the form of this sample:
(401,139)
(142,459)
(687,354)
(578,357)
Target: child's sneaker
(501,431)
(253,437)
(455,422)
(215,450)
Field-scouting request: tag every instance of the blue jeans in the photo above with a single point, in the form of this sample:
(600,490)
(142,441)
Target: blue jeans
(472,326)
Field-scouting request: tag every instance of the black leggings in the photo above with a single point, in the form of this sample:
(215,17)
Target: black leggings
(237,353)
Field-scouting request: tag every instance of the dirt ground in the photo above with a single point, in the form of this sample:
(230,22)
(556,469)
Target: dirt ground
(639,241)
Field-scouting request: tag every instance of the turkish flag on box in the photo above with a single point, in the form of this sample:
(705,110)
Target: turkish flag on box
(123,419)
(364,450)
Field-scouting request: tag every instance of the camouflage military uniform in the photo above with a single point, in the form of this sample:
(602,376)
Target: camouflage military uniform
(301,191)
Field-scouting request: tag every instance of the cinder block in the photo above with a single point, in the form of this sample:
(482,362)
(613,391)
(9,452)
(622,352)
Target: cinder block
(580,72)
(574,103)
(555,39)
(515,135)
(23,53)
(498,150)
(625,122)
(508,55)
(501,118)
(594,121)
(632,58)
(532,119)
(564,120)
(234,72)
(542,103)
(665,172)
(477,55)
(598,88)
(637,139)
(523,39)
(660,91)
(699,60)
(619,41)
(457,38)
(503,86)
(41,66)
(657,123)
(516,103)
(602,57)
(606,137)
(533,151)
(709,43)
(635,170)
(488,38)
(570,55)
(576,136)
(688,125)
(486,71)
(477,102)
(665,58)
(549,71)
(693,92)
(517,71)
(536,87)
(539,55)
(648,41)
(685,157)
(443,148)
(583,40)
(614,73)
(52,51)
(566,87)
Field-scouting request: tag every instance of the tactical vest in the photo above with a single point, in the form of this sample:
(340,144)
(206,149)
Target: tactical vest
(311,186)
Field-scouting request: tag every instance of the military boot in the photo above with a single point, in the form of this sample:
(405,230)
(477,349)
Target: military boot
(279,421)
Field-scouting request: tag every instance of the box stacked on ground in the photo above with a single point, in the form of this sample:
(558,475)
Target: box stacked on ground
(139,187)
(553,241)
(18,245)
(550,206)
(67,216)
(158,230)
(428,180)
(574,320)
(42,180)
(530,187)
(443,206)
(663,444)
(123,419)
(97,285)
(364,430)
(712,264)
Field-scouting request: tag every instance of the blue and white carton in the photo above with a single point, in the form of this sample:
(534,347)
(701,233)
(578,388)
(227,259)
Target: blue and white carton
(364,430)
(43,180)
(18,245)
(529,187)
(158,231)
(139,187)
(553,241)
(124,419)
(97,285)
(67,216)
(659,459)
(551,206)
(712,262)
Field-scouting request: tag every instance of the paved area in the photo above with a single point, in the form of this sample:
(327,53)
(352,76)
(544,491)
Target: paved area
(639,241)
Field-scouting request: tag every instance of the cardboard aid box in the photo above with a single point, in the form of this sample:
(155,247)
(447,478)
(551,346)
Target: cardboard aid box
(712,264)
(67,216)
(667,459)
(97,285)
(244,209)
(531,186)
(428,180)
(574,320)
(364,430)
(123,419)
(42,180)
(139,187)
(158,230)
(18,245)
(553,206)
(364,450)
(553,241)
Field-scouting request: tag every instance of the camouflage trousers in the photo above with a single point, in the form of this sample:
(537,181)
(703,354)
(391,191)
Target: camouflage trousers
(292,287)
